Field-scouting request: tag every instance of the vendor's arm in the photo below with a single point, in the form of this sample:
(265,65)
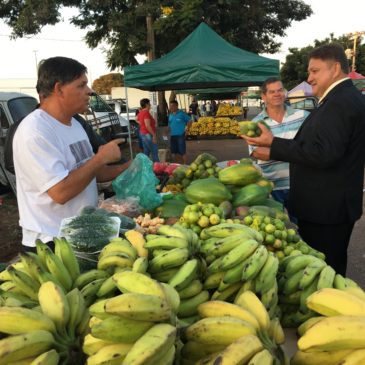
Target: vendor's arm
(147,123)
(77,180)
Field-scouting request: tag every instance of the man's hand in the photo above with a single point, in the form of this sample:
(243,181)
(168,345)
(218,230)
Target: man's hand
(110,152)
(264,140)
(261,153)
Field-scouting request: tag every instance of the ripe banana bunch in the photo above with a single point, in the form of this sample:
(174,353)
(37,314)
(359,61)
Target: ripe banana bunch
(337,336)
(126,328)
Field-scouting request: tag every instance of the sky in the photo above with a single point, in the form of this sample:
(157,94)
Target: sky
(18,58)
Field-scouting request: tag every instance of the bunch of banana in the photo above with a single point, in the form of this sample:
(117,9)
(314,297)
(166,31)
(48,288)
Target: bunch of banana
(300,276)
(49,334)
(22,280)
(126,328)
(338,335)
(233,334)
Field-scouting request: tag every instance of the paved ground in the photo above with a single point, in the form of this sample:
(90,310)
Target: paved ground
(228,149)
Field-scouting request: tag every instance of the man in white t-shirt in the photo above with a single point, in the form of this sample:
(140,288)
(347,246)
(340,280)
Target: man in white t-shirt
(55,167)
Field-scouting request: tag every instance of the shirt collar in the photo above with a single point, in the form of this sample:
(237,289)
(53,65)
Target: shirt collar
(288,111)
(331,87)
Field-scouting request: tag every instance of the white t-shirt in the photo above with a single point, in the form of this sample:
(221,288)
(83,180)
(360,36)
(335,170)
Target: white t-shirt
(45,152)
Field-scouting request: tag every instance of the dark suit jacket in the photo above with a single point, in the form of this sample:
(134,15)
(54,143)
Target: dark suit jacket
(327,159)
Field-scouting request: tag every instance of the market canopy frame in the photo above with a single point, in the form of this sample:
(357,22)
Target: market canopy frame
(202,60)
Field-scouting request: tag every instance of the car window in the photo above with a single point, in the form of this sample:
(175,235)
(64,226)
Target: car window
(4,123)
(21,107)
(98,105)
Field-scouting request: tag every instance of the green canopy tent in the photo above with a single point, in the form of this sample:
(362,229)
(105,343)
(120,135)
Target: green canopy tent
(202,60)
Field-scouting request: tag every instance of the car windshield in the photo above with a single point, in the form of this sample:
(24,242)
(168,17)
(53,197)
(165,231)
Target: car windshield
(21,107)
(97,104)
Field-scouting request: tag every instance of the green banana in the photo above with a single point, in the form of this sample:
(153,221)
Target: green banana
(194,288)
(121,245)
(16,320)
(58,270)
(310,273)
(115,259)
(229,229)
(267,275)
(269,297)
(172,297)
(215,265)
(172,258)
(31,267)
(50,357)
(224,245)
(189,307)
(89,291)
(254,263)
(150,236)
(326,277)
(42,251)
(292,283)
(227,293)
(186,274)
(120,329)
(171,231)
(165,275)
(339,282)
(166,358)
(305,293)
(19,347)
(240,253)
(44,276)
(166,243)
(26,284)
(66,254)
(139,306)
(299,262)
(92,344)
(213,280)
(112,354)
(89,276)
(77,307)
(108,287)
(234,274)
(351,283)
(140,265)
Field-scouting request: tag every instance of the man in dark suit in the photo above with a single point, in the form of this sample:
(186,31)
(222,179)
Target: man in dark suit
(326,157)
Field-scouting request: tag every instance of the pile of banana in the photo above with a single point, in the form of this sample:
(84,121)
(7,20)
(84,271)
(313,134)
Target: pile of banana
(337,335)
(22,280)
(213,126)
(227,109)
(240,333)
(132,327)
(49,334)
(300,276)
(172,261)
(237,261)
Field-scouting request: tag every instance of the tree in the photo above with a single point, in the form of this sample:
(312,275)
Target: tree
(104,84)
(294,70)
(248,24)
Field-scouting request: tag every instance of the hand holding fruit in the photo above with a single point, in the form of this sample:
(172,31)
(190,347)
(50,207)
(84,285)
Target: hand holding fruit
(261,153)
(263,140)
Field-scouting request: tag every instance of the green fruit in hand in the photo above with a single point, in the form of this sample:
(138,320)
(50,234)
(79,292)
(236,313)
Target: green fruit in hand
(251,126)
(208,164)
(251,134)
(210,171)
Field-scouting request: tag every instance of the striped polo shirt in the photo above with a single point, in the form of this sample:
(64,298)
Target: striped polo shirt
(277,171)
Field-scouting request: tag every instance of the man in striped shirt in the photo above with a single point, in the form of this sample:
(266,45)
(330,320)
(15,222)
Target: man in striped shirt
(284,122)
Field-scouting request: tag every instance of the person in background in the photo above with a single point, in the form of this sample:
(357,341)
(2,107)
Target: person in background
(55,167)
(140,143)
(178,122)
(194,110)
(326,157)
(208,109)
(147,130)
(284,122)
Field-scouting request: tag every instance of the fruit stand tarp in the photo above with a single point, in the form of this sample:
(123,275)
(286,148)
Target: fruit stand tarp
(202,60)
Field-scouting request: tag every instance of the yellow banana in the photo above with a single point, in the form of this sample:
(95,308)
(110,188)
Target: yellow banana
(54,304)
(189,307)
(107,288)
(186,274)
(114,260)
(167,358)
(18,347)
(218,330)
(140,265)
(122,246)
(194,288)
(356,357)
(89,276)
(110,354)
(262,358)
(249,301)
(139,306)
(149,348)
(302,329)
(172,297)
(213,280)
(334,302)
(133,282)
(216,308)
(195,350)
(50,357)
(276,332)
(228,293)
(25,283)
(172,258)
(334,333)
(119,329)
(319,357)
(166,243)
(357,292)
(137,240)
(92,344)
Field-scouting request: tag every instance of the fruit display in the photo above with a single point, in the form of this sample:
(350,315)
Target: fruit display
(336,335)
(149,224)
(239,174)
(214,126)
(251,129)
(227,109)
(238,333)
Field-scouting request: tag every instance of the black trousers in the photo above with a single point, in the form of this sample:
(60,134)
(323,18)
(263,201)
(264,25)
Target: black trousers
(331,239)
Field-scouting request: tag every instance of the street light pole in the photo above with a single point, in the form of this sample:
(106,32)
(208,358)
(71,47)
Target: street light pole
(354,36)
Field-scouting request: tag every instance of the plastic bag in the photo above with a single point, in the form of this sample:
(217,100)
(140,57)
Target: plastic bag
(129,206)
(138,180)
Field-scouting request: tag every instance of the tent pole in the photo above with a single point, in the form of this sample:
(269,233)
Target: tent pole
(129,125)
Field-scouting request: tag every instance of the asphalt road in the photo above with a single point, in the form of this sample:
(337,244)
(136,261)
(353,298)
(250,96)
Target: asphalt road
(233,149)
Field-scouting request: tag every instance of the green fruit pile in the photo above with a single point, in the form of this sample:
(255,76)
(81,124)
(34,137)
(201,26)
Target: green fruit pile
(204,166)
(198,216)
(251,129)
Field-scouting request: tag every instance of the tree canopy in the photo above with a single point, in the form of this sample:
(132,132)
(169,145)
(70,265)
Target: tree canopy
(294,70)
(104,84)
(249,24)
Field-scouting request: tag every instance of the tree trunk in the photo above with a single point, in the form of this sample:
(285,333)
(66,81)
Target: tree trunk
(162,108)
